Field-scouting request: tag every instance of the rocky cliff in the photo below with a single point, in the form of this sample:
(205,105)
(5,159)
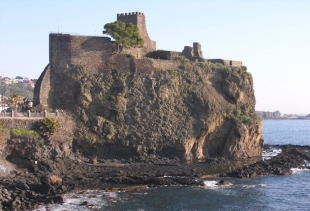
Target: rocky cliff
(149,108)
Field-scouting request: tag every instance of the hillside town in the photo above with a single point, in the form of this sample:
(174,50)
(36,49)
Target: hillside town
(18,85)
(18,79)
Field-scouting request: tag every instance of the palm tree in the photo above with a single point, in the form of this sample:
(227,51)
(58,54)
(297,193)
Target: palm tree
(16,99)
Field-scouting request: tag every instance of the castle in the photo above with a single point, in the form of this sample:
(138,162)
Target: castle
(92,51)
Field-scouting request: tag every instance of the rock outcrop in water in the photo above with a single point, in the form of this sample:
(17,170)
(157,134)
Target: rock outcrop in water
(176,105)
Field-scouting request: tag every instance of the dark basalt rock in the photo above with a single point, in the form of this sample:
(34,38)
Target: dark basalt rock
(223,183)
(22,191)
(290,157)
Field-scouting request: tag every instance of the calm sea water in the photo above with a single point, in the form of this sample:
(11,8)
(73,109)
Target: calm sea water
(262,193)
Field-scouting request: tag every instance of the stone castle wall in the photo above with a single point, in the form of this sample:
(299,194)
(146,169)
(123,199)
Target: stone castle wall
(87,51)
(229,63)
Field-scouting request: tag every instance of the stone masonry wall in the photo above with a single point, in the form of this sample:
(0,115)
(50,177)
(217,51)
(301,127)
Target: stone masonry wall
(235,63)
(90,51)
(165,64)
(25,123)
(229,63)
(79,50)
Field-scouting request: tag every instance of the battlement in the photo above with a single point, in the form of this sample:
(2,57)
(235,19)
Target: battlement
(131,14)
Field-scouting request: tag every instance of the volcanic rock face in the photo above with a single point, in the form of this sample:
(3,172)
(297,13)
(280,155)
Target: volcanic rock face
(144,107)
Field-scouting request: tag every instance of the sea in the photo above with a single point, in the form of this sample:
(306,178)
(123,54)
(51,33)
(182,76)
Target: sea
(261,193)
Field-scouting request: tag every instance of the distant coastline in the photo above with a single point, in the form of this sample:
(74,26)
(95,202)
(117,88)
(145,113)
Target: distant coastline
(278,115)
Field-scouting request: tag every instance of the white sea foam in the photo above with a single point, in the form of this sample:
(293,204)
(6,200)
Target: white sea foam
(307,164)
(254,185)
(299,170)
(211,184)
(269,153)
(73,201)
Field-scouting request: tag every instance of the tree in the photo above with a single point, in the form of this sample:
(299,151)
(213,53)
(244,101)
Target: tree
(16,99)
(126,35)
(19,78)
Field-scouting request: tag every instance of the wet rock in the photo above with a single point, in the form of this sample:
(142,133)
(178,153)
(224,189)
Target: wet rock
(84,203)
(54,199)
(62,188)
(16,203)
(223,183)
(22,186)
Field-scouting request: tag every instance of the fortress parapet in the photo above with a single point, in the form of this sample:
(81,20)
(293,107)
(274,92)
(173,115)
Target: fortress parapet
(130,14)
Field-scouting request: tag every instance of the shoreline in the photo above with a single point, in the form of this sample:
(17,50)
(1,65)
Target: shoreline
(21,190)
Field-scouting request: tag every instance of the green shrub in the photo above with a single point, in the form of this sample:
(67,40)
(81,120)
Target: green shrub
(173,71)
(244,68)
(202,64)
(243,118)
(183,66)
(48,126)
(249,74)
(182,59)
(237,113)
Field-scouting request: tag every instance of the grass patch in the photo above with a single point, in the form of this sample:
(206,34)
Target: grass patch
(24,133)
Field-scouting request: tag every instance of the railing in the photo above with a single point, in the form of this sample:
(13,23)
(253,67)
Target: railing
(28,114)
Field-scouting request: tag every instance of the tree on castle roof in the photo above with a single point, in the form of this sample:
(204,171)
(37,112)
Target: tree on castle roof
(126,35)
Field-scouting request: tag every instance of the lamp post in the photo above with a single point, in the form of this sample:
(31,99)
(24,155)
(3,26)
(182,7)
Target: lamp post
(3,90)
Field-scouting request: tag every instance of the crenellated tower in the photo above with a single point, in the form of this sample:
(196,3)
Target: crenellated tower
(138,19)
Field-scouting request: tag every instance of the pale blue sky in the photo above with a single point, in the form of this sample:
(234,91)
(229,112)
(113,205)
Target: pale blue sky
(271,37)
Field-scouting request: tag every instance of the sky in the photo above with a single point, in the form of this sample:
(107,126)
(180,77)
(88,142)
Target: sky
(270,37)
